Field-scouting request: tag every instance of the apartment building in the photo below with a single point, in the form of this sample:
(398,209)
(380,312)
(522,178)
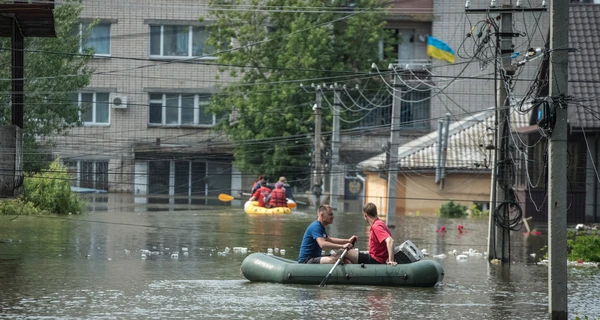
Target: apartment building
(147,131)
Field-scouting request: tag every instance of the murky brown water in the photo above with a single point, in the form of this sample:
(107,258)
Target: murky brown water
(91,267)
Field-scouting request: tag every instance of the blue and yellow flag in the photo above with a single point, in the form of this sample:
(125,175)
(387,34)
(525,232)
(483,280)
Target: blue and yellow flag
(439,50)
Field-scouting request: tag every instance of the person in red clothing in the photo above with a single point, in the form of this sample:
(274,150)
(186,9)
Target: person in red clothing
(381,243)
(261,194)
(278,198)
(258,180)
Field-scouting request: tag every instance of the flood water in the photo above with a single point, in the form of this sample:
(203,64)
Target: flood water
(91,267)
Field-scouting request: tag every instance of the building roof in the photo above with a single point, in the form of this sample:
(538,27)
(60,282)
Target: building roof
(34,19)
(467,142)
(584,65)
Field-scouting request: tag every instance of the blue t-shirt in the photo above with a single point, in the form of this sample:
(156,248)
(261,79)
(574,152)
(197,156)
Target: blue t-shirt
(310,247)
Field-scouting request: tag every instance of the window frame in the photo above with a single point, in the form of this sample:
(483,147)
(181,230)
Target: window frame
(81,44)
(199,101)
(75,168)
(190,43)
(94,106)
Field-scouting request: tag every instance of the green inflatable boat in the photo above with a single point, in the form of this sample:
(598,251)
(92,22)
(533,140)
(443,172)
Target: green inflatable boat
(261,267)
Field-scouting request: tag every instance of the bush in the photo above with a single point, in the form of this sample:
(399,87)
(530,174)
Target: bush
(18,207)
(453,210)
(584,247)
(477,212)
(50,191)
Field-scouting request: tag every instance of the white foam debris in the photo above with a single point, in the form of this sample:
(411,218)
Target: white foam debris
(440,256)
(175,256)
(184,249)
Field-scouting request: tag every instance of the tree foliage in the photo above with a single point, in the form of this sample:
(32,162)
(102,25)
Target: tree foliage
(269,53)
(53,72)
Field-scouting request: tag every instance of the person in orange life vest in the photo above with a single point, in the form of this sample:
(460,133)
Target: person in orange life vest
(261,194)
(257,183)
(278,198)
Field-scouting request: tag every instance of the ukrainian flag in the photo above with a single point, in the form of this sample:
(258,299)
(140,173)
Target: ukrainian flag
(439,50)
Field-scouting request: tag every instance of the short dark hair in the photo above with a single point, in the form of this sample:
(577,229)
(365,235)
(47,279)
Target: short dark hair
(370,209)
(263,182)
(324,208)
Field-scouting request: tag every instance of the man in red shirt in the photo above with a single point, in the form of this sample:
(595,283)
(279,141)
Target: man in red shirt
(381,243)
(261,193)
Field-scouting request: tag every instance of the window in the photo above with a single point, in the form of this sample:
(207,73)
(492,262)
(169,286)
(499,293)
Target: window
(94,108)
(414,111)
(179,41)
(180,109)
(88,173)
(98,38)
(401,45)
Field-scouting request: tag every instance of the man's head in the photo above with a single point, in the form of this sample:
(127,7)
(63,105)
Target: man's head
(325,214)
(278,185)
(259,178)
(370,210)
(263,183)
(282,180)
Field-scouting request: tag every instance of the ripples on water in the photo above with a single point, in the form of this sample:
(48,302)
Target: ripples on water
(78,268)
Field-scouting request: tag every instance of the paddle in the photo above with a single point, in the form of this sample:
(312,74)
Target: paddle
(335,265)
(226,198)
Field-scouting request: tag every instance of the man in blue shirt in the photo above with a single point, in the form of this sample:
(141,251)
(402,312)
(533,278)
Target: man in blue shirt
(316,239)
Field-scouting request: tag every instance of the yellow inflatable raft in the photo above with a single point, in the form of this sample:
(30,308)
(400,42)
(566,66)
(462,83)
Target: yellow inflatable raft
(251,207)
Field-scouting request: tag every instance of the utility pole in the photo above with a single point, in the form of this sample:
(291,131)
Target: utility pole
(393,164)
(335,150)
(499,236)
(557,177)
(318,168)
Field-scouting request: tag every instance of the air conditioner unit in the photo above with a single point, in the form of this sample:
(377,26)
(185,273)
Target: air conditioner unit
(118,101)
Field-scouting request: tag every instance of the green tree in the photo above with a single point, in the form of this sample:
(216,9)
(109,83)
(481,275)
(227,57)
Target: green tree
(305,41)
(54,70)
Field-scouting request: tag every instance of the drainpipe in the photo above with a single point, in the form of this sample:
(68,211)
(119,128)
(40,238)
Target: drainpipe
(445,152)
(438,166)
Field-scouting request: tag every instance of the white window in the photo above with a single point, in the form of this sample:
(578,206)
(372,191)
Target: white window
(98,38)
(94,108)
(179,41)
(180,109)
(88,173)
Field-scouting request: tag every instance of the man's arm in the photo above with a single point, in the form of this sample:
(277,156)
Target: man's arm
(334,243)
(389,241)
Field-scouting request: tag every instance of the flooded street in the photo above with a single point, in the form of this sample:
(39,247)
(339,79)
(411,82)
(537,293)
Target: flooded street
(91,267)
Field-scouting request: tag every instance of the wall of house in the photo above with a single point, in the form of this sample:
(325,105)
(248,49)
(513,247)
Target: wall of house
(417,193)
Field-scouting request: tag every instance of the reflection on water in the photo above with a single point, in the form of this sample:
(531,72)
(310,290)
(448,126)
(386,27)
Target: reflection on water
(91,267)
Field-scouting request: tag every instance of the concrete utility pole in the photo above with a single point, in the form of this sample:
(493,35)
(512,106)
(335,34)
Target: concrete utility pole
(318,169)
(501,235)
(393,164)
(334,187)
(557,192)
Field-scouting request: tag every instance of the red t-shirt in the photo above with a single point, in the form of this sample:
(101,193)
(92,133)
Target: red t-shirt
(377,246)
(260,195)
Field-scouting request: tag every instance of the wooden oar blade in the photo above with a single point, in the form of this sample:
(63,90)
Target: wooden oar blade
(225,197)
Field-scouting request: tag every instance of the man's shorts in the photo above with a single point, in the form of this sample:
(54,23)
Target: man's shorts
(316,260)
(366,259)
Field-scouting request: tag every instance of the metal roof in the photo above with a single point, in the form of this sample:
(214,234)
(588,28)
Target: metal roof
(584,64)
(467,142)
